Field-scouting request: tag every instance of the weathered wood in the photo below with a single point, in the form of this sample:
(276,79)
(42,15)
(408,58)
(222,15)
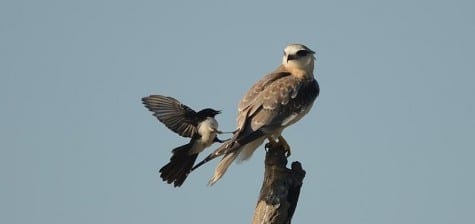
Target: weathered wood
(280,189)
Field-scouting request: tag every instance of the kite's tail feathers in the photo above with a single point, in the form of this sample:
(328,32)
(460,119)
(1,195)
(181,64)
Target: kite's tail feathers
(231,149)
(249,149)
(221,150)
(244,152)
(181,162)
(223,166)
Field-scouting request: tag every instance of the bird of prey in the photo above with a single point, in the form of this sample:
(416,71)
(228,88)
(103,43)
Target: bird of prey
(277,101)
(200,126)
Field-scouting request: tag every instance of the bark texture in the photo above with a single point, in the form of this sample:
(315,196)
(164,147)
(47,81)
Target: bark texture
(280,189)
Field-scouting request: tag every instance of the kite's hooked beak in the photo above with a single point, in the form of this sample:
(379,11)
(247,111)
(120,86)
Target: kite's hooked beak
(291,57)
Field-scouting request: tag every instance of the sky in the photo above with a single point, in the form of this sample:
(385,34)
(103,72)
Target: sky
(389,140)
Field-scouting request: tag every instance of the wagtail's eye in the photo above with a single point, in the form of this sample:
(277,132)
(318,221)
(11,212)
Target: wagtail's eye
(302,53)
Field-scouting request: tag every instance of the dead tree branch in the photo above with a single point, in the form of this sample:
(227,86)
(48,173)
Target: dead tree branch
(280,189)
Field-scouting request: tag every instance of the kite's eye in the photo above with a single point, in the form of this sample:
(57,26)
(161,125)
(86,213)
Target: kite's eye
(302,53)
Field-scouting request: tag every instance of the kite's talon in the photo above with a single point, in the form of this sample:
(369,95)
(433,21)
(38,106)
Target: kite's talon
(285,145)
(271,144)
(281,143)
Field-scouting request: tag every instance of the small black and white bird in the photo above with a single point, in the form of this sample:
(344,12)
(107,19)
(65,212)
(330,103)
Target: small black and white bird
(200,126)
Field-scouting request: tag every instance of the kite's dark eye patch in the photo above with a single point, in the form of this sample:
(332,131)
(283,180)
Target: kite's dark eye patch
(302,53)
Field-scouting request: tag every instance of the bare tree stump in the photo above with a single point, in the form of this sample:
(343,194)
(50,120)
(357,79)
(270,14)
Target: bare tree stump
(280,189)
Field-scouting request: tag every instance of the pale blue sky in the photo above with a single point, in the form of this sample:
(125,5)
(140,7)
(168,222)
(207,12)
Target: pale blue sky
(390,139)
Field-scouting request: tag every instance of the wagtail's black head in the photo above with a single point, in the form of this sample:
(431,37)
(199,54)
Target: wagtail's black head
(208,112)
